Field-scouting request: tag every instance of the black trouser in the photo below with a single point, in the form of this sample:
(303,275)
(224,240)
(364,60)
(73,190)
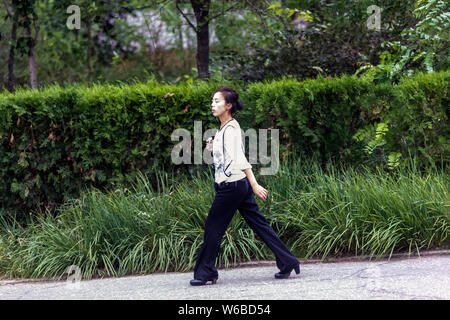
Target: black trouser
(232,196)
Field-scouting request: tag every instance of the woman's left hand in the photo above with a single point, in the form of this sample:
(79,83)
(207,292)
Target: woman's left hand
(260,191)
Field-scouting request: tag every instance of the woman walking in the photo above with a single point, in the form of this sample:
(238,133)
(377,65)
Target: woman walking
(235,187)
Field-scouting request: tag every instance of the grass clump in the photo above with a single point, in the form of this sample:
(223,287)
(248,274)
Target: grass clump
(316,212)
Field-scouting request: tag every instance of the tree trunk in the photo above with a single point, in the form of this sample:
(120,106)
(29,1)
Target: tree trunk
(31,59)
(10,83)
(181,48)
(89,44)
(201,10)
(12,47)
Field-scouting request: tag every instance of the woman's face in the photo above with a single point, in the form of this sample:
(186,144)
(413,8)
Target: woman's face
(218,105)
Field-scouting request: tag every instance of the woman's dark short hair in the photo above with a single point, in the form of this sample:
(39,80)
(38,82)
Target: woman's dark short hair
(232,97)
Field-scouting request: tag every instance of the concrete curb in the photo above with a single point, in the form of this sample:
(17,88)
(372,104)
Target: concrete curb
(394,256)
(266,263)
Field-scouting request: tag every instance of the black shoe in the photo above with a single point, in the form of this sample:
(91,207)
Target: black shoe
(197,282)
(280,275)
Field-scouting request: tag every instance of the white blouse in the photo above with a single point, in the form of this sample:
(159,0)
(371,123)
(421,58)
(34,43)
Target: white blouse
(229,157)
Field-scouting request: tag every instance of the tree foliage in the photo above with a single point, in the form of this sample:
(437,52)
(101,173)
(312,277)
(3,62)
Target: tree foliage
(422,48)
(306,38)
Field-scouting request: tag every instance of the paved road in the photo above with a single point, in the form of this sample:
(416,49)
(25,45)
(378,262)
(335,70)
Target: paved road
(408,278)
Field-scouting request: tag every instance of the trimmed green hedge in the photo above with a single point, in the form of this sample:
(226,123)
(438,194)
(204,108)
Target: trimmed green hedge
(323,115)
(56,140)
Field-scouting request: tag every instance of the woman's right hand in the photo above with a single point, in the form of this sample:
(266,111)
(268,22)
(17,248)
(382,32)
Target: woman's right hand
(209,144)
(260,191)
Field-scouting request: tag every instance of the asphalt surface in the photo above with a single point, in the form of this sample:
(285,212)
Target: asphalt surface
(425,277)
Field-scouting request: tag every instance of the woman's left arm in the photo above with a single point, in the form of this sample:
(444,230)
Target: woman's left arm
(257,189)
(233,144)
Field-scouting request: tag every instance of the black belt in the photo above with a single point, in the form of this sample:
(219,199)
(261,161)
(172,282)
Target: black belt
(226,184)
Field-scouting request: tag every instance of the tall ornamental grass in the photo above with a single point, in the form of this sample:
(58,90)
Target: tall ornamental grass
(318,213)
(360,211)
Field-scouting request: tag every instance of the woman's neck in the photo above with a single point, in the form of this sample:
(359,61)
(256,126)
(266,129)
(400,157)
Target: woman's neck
(224,120)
